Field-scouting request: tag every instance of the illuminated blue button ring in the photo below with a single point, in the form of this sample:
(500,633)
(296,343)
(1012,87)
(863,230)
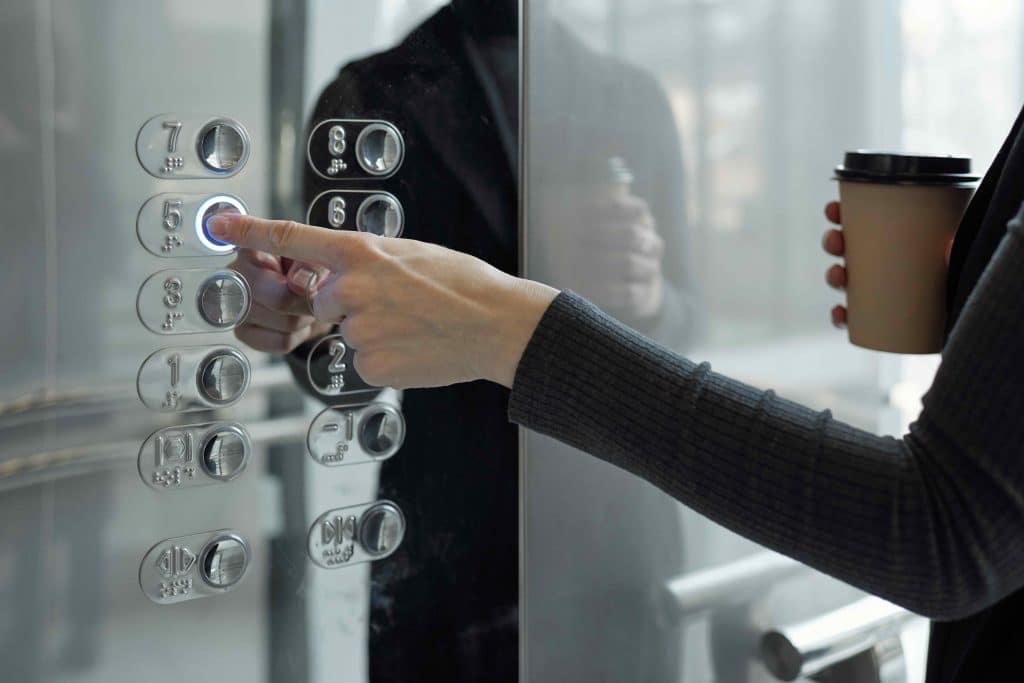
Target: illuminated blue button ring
(216,204)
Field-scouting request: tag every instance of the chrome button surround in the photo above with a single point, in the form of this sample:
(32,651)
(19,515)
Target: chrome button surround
(223,299)
(193,300)
(224,376)
(189,146)
(224,560)
(222,145)
(377,153)
(380,149)
(352,535)
(380,214)
(381,529)
(195,566)
(225,452)
(350,434)
(170,379)
(184,456)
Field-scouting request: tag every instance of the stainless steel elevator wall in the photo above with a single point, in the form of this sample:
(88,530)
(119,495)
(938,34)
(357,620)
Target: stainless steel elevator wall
(79,80)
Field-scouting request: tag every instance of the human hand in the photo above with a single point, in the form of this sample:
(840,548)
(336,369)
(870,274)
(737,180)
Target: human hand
(279,319)
(609,251)
(832,243)
(416,314)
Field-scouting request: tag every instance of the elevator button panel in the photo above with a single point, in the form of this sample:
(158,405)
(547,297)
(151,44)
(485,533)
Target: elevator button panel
(175,224)
(378,213)
(194,455)
(352,535)
(331,371)
(195,566)
(189,301)
(355,149)
(192,146)
(184,379)
(355,434)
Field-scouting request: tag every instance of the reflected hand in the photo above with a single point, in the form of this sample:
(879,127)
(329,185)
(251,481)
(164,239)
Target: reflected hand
(416,314)
(280,319)
(621,254)
(832,242)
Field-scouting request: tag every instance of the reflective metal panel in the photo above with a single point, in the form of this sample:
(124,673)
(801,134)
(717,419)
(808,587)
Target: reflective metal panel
(156,485)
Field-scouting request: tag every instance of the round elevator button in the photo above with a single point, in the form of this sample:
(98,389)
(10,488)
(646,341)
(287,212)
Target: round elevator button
(381,529)
(224,561)
(222,146)
(215,206)
(379,149)
(380,214)
(224,299)
(381,430)
(225,453)
(223,376)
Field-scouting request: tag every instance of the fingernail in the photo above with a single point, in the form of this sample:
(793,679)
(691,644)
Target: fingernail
(300,277)
(218,225)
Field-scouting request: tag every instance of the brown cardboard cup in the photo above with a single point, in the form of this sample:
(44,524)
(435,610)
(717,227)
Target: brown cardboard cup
(899,213)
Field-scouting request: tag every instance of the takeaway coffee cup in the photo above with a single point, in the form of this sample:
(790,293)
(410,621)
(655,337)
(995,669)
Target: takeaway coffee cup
(899,213)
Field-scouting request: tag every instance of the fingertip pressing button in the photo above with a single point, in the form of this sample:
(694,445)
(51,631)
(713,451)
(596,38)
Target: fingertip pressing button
(216,206)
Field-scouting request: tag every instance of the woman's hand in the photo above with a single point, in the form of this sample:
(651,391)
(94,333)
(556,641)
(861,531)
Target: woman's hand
(280,318)
(416,314)
(605,246)
(619,255)
(832,242)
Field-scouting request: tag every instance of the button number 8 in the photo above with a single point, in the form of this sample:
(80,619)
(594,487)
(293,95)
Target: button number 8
(336,141)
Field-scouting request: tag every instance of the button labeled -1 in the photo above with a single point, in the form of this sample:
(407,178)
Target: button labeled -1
(192,301)
(355,434)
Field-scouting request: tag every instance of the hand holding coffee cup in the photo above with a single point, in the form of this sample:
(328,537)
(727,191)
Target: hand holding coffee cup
(832,242)
(899,216)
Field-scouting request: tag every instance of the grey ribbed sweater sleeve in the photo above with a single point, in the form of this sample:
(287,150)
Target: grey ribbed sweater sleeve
(933,521)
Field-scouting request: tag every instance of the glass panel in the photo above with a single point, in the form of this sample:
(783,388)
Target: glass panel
(180,500)
(713,127)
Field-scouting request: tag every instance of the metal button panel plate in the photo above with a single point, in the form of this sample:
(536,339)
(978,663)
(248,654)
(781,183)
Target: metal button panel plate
(183,379)
(174,224)
(331,371)
(192,146)
(193,300)
(195,566)
(378,213)
(194,455)
(351,535)
(355,434)
(355,149)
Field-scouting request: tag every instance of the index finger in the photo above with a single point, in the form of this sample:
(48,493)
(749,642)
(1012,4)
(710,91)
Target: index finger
(283,238)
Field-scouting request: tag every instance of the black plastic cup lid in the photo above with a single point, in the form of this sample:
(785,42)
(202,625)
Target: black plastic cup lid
(892,167)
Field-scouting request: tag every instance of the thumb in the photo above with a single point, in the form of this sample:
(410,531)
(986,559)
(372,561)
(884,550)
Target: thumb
(949,253)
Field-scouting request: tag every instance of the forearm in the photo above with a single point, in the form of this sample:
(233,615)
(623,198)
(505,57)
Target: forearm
(930,521)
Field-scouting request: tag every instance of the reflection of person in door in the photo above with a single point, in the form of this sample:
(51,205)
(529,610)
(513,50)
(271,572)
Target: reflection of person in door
(606,219)
(445,605)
